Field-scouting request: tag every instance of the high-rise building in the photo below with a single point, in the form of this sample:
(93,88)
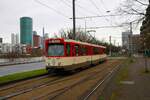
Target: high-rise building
(36,40)
(34,33)
(136,43)
(1,40)
(6,48)
(17,39)
(126,39)
(46,36)
(14,39)
(26,30)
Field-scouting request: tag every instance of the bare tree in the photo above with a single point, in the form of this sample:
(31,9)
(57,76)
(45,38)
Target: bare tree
(132,11)
(145,29)
(80,35)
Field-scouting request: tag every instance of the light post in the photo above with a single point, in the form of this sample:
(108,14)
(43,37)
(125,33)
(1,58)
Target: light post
(145,57)
(74,20)
(91,35)
(110,45)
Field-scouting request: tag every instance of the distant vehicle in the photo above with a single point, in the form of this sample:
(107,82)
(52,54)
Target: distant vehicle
(69,55)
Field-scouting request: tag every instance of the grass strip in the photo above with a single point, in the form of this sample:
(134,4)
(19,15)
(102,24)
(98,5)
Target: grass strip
(124,72)
(20,76)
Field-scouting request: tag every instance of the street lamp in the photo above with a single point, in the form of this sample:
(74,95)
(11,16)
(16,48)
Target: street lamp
(145,56)
(74,20)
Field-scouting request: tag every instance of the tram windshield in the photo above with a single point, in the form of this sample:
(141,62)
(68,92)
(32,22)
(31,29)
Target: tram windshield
(56,50)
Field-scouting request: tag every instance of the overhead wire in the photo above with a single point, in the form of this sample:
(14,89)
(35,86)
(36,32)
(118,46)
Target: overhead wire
(98,9)
(51,8)
(85,9)
(67,3)
(64,1)
(95,5)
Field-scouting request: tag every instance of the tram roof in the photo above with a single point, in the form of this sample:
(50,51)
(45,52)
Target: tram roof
(84,43)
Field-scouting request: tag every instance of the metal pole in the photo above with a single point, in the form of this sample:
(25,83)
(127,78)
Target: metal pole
(145,58)
(43,37)
(85,25)
(114,42)
(110,45)
(74,21)
(43,41)
(146,67)
(131,51)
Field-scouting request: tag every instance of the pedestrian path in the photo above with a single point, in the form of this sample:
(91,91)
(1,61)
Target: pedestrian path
(11,69)
(136,85)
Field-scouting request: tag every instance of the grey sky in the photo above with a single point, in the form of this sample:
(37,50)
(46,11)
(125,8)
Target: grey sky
(12,10)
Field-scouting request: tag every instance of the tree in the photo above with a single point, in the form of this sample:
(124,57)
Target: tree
(132,11)
(83,36)
(145,28)
(80,35)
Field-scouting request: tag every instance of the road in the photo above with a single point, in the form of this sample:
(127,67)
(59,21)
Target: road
(10,69)
(5,70)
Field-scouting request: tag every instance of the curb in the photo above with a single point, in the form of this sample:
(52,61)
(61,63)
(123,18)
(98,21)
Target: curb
(19,63)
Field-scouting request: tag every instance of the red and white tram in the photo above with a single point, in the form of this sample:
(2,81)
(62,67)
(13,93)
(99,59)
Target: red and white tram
(65,54)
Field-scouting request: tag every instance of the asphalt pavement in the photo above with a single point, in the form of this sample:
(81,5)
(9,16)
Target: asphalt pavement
(135,86)
(11,69)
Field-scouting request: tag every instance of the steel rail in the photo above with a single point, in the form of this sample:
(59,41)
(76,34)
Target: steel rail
(26,82)
(29,89)
(109,76)
(65,89)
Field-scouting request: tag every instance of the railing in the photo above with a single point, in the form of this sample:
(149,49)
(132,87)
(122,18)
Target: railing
(20,60)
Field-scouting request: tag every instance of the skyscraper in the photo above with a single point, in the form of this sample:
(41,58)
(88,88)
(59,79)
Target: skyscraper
(1,40)
(26,30)
(126,40)
(36,39)
(14,39)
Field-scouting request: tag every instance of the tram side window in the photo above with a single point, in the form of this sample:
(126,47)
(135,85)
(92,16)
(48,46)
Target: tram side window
(96,50)
(68,49)
(76,50)
(83,51)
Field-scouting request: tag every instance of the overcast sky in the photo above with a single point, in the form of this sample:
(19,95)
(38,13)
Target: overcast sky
(56,16)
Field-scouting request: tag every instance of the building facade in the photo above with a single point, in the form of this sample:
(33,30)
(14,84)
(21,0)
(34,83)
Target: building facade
(26,30)
(6,48)
(14,39)
(36,40)
(136,43)
(126,40)
(1,40)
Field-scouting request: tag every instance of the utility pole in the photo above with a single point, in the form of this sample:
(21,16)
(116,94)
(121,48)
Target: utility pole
(130,39)
(114,42)
(74,20)
(43,45)
(118,44)
(110,45)
(85,25)
(145,57)
(43,36)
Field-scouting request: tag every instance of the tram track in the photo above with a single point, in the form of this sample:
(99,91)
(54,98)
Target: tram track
(25,86)
(100,83)
(100,77)
(53,95)
(13,85)
(47,88)
(65,89)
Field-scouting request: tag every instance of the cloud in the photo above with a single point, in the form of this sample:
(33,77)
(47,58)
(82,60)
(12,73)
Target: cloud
(12,10)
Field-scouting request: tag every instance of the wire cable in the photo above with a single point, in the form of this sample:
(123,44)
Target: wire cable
(97,8)
(58,12)
(85,9)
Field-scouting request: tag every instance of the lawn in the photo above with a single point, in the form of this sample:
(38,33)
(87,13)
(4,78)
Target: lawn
(21,76)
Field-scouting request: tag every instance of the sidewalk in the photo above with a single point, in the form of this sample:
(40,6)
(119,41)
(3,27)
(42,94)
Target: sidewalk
(17,61)
(134,86)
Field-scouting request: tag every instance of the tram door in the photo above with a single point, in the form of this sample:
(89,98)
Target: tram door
(76,50)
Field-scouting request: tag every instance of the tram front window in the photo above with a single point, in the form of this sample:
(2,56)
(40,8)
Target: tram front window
(56,50)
